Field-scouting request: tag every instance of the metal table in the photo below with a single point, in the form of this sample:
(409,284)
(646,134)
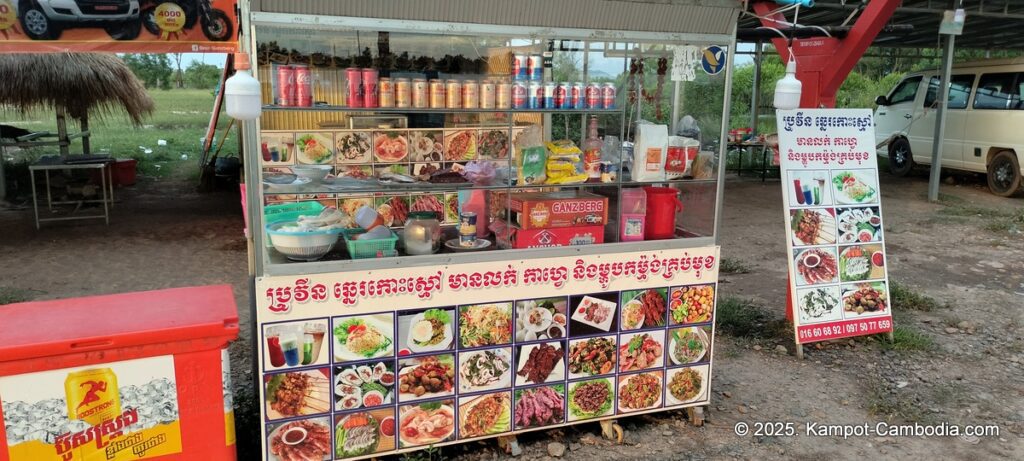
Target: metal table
(54,162)
(741,148)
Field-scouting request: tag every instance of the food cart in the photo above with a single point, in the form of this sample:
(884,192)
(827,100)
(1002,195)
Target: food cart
(434,263)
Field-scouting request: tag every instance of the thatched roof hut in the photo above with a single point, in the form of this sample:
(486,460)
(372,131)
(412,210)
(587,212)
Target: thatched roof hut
(75,84)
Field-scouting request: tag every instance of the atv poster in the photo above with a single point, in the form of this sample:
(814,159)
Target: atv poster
(137,26)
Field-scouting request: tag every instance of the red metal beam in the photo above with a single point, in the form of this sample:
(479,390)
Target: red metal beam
(824,62)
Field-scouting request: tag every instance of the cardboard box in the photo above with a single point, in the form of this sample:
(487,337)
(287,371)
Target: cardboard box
(516,237)
(551,210)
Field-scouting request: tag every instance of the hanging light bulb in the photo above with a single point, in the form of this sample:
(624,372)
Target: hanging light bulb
(788,88)
(242,91)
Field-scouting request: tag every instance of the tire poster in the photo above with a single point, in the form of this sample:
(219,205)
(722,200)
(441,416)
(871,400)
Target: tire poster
(140,26)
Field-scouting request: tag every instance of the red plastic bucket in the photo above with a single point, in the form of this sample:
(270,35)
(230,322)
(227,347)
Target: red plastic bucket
(124,171)
(662,205)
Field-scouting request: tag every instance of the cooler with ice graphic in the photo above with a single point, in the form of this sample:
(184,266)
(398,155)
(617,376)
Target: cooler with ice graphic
(119,377)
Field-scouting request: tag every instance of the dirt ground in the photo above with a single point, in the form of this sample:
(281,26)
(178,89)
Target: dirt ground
(965,364)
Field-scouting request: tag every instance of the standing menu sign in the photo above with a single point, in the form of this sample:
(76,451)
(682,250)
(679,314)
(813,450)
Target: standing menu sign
(356,365)
(835,242)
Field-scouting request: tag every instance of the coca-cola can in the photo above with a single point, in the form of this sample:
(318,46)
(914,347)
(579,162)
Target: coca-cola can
(520,66)
(536,70)
(303,87)
(453,94)
(576,96)
(470,94)
(608,94)
(387,92)
(535,96)
(354,86)
(437,90)
(403,92)
(370,88)
(593,96)
(420,93)
(562,96)
(285,86)
(488,98)
(503,95)
(520,95)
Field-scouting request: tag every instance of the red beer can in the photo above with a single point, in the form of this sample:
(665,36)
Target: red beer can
(593,96)
(561,95)
(520,66)
(285,86)
(370,97)
(354,86)
(519,95)
(536,70)
(303,87)
(576,95)
(608,94)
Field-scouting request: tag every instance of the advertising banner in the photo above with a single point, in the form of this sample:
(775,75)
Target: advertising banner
(123,26)
(115,411)
(359,365)
(834,224)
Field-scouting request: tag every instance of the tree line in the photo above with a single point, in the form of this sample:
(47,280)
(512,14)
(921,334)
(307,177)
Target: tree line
(157,71)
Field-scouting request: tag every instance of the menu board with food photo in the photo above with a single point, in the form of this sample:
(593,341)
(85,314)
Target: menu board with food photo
(460,145)
(315,148)
(390,146)
(426,423)
(426,145)
(408,371)
(493,144)
(539,406)
(837,267)
(483,415)
(363,433)
(353,146)
(277,148)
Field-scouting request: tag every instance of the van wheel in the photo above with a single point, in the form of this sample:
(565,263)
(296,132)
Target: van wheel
(901,161)
(36,24)
(1004,174)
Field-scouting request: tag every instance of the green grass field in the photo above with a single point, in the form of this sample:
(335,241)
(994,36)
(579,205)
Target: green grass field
(180,118)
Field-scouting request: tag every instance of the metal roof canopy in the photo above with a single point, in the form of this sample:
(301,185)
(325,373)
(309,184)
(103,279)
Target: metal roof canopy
(990,24)
(634,18)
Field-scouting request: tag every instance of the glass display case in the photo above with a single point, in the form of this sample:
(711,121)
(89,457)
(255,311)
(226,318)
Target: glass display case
(510,131)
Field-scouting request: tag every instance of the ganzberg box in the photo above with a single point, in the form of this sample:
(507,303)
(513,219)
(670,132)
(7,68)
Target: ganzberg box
(549,210)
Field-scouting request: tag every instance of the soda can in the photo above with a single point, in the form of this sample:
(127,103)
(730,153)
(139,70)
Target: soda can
(403,92)
(562,96)
(387,92)
(467,229)
(535,96)
(608,94)
(354,86)
(576,96)
(92,395)
(420,93)
(470,94)
(549,95)
(520,95)
(593,95)
(453,94)
(437,98)
(503,95)
(536,70)
(303,87)
(370,87)
(285,85)
(488,98)
(520,66)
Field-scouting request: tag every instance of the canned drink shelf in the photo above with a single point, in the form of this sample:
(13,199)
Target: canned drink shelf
(440,188)
(415,110)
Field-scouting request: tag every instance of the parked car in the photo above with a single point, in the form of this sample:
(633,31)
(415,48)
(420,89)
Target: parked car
(46,19)
(984,122)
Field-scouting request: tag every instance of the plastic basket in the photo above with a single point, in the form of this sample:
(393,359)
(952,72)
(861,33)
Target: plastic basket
(361,249)
(291,211)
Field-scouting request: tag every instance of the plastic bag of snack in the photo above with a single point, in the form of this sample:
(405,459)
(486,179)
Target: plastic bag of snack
(681,153)
(531,157)
(565,163)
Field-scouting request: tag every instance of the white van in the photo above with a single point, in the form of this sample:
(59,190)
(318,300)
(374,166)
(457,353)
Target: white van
(984,122)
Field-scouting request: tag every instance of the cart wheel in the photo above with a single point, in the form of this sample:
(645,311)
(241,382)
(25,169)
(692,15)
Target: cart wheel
(901,160)
(611,430)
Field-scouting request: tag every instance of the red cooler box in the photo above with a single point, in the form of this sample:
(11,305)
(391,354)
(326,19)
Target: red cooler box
(120,377)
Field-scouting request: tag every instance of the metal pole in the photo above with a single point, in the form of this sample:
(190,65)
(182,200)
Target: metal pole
(675,109)
(755,97)
(940,119)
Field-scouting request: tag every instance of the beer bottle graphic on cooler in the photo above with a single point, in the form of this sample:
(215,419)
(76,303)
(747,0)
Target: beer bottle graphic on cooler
(92,395)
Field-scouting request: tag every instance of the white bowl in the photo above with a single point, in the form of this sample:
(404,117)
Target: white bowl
(301,246)
(313,172)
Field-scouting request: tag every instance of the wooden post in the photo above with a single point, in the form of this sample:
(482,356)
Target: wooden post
(62,133)
(84,124)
